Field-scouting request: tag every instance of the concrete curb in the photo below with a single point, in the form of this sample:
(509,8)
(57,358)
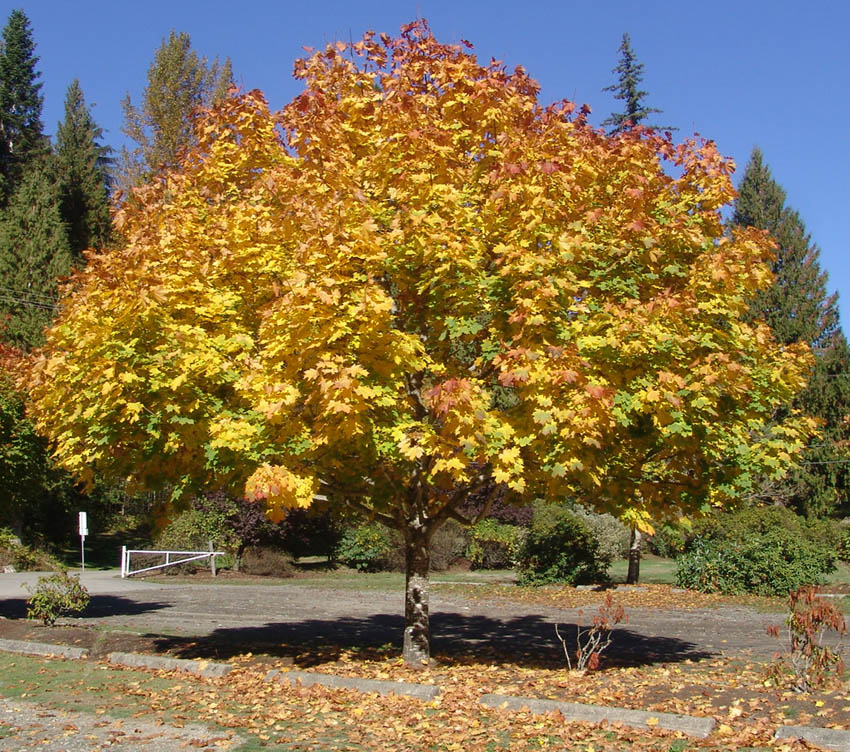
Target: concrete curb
(201,668)
(573,711)
(836,739)
(42,648)
(309,679)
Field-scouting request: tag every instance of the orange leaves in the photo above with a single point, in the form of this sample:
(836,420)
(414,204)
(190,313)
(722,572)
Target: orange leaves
(449,395)
(281,489)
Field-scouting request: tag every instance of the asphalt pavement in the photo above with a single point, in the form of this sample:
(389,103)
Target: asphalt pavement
(96,581)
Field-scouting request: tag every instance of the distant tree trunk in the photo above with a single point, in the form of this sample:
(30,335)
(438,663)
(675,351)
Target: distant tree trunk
(634,557)
(417,630)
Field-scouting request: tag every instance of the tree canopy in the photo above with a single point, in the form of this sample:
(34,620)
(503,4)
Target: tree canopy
(179,83)
(34,255)
(82,164)
(415,280)
(798,308)
(21,131)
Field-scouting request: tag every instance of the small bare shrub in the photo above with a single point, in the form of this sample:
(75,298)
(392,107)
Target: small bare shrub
(595,639)
(814,630)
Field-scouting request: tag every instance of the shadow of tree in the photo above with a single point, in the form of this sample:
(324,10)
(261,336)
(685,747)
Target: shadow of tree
(456,638)
(99,606)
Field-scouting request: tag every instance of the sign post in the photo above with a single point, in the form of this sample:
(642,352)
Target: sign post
(84,531)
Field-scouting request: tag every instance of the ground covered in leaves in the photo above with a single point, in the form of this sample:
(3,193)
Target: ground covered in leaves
(737,691)
(747,707)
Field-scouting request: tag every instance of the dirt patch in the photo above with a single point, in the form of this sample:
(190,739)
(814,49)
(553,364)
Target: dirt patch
(92,638)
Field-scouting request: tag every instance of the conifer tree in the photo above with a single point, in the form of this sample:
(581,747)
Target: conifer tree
(21,130)
(179,82)
(629,76)
(34,255)
(81,165)
(798,309)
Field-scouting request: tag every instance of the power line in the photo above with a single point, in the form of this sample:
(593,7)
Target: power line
(31,303)
(26,293)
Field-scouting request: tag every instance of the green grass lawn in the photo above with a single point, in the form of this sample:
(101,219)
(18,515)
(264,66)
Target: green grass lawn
(653,570)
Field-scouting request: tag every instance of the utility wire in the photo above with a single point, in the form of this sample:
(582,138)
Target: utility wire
(31,303)
(26,293)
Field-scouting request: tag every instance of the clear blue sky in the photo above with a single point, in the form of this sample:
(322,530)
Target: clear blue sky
(772,73)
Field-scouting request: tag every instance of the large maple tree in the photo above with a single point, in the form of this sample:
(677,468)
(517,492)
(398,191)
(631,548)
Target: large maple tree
(414,282)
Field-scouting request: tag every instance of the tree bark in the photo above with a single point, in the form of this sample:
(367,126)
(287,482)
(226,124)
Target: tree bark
(417,628)
(634,557)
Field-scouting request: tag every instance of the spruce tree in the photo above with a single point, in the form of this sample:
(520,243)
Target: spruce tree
(179,82)
(34,255)
(21,132)
(81,166)
(629,76)
(798,308)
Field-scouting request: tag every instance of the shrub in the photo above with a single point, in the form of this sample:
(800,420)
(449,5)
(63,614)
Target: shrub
(595,639)
(366,548)
(56,595)
(559,548)
(8,539)
(772,563)
(24,559)
(21,557)
(843,548)
(749,521)
(498,507)
(815,629)
(267,562)
(759,550)
(193,529)
(494,545)
(611,534)
(669,541)
(311,532)
(448,544)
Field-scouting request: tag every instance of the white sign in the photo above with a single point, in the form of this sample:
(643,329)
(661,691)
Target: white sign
(84,525)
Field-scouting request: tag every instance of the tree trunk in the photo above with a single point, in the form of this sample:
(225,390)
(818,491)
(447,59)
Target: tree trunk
(417,629)
(634,557)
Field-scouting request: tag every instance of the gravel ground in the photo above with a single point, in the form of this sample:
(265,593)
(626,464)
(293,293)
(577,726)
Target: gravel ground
(216,621)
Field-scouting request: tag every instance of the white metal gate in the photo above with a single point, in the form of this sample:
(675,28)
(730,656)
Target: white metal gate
(170,561)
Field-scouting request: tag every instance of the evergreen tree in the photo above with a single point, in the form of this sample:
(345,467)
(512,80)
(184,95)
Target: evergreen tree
(34,254)
(629,76)
(179,82)
(21,130)
(798,309)
(81,165)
